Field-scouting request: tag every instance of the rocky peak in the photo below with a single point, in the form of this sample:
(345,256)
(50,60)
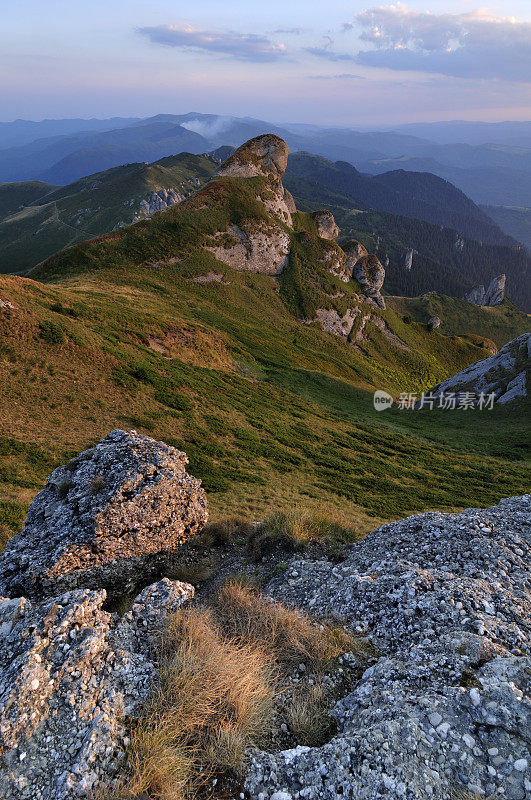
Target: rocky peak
(264,155)
(492,296)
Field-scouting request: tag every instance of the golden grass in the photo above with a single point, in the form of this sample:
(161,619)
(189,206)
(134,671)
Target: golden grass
(308,717)
(220,672)
(215,699)
(288,634)
(294,529)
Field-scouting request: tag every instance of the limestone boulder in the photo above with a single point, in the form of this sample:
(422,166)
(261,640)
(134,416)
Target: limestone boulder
(110,519)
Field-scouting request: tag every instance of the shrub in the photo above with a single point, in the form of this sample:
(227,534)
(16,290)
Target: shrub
(407,319)
(51,332)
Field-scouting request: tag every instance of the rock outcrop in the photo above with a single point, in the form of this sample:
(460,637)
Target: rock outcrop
(492,296)
(367,270)
(434,322)
(158,201)
(445,711)
(70,672)
(505,374)
(252,247)
(326,224)
(107,520)
(264,156)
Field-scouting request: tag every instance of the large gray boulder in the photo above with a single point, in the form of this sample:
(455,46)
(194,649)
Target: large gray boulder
(70,674)
(109,519)
(367,270)
(445,711)
(505,374)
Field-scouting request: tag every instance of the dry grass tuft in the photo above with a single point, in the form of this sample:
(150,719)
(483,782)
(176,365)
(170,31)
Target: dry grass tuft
(219,677)
(214,701)
(292,531)
(226,531)
(288,634)
(308,716)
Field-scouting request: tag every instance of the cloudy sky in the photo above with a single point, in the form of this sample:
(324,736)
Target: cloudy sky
(333,62)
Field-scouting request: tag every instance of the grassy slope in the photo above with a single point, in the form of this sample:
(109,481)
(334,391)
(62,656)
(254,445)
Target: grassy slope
(273,413)
(14,195)
(438,264)
(499,323)
(61,216)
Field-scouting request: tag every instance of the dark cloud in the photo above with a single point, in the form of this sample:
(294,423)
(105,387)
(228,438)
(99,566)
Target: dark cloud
(475,44)
(241,46)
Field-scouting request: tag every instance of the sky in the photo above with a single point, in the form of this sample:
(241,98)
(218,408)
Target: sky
(319,61)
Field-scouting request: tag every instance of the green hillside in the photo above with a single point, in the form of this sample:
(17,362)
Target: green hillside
(443,260)
(15,195)
(273,411)
(53,218)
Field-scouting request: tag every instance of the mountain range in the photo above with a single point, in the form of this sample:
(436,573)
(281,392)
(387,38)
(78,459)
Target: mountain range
(477,169)
(400,215)
(233,326)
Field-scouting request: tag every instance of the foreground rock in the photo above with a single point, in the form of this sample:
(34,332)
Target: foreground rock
(491,296)
(505,374)
(446,708)
(69,674)
(107,520)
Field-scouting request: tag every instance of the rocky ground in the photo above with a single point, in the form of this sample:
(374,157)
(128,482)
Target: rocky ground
(446,706)
(504,374)
(442,598)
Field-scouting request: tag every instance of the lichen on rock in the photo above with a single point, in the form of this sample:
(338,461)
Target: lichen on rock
(109,519)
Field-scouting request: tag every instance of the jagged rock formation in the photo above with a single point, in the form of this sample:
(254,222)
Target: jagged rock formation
(253,247)
(446,707)
(69,674)
(258,245)
(434,322)
(367,270)
(408,260)
(492,296)
(326,224)
(108,519)
(158,201)
(265,156)
(505,374)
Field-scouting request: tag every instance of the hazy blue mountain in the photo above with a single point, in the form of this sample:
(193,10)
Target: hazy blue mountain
(24,131)
(62,159)
(485,185)
(512,134)
(514,220)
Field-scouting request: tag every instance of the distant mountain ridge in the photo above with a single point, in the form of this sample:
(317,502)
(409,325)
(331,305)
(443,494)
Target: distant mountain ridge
(413,194)
(40,219)
(64,158)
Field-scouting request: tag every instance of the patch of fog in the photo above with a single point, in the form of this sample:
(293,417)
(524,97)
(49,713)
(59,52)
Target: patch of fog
(208,128)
